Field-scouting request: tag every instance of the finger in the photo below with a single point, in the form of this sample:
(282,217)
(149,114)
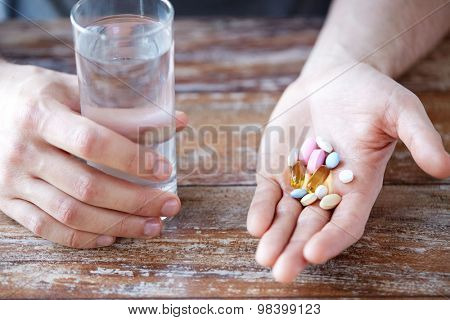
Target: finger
(181,120)
(96,188)
(80,216)
(291,261)
(262,207)
(61,87)
(275,239)
(68,94)
(344,229)
(135,123)
(43,225)
(415,129)
(86,139)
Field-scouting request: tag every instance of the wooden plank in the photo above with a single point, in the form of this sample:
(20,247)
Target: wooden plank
(206,253)
(218,55)
(228,73)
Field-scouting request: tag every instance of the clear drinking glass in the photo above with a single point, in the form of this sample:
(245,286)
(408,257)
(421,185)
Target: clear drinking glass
(125,65)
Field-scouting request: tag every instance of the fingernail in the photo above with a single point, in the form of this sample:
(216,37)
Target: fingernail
(152,227)
(170,208)
(104,241)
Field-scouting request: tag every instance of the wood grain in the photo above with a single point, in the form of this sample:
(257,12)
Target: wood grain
(206,252)
(232,72)
(218,55)
(236,163)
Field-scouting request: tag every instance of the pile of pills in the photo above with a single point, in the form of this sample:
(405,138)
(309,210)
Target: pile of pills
(310,168)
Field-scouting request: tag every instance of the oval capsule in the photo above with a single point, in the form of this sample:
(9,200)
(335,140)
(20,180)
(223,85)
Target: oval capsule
(298,172)
(308,146)
(317,178)
(324,145)
(309,199)
(293,157)
(298,193)
(321,191)
(332,160)
(330,201)
(316,160)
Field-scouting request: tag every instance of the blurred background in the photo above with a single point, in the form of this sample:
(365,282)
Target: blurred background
(52,9)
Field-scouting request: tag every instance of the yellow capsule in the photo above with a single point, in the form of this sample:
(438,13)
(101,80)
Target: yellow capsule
(297,175)
(317,179)
(307,177)
(329,183)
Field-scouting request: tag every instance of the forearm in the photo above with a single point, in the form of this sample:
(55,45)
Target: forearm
(390,35)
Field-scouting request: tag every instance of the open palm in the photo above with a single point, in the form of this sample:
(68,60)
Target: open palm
(361,113)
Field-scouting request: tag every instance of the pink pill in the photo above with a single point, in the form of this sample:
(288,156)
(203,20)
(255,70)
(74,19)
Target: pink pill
(316,160)
(307,148)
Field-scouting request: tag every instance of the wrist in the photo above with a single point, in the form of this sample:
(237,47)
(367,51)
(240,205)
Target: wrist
(323,61)
(338,60)
(338,56)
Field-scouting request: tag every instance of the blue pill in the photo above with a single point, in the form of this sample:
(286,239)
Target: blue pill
(332,160)
(298,193)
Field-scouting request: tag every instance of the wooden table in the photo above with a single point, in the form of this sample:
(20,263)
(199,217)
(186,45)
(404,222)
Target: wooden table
(233,72)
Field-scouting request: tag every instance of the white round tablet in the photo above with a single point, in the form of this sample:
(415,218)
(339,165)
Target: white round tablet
(346,176)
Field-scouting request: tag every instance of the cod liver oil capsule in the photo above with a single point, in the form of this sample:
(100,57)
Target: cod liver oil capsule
(293,157)
(317,179)
(298,172)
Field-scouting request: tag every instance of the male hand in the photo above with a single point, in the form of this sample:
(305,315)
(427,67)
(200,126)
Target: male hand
(362,114)
(47,188)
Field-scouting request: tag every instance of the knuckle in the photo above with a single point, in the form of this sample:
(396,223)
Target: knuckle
(85,189)
(40,166)
(8,181)
(122,226)
(66,211)
(85,141)
(15,153)
(406,99)
(5,180)
(132,163)
(411,99)
(255,230)
(354,232)
(50,88)
(37,226)
(74,240)
(34,70)
(323,216)
(282,210)
(141,202)
(28,114)
(359,232)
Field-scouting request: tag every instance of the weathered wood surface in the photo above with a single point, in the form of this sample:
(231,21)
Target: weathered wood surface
(238,166)
(206,253)
(232,72)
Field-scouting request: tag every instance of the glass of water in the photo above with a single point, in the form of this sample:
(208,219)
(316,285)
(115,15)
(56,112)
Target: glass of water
(125,65)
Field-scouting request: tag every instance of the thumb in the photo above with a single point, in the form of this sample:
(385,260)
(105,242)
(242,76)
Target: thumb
(415,129)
